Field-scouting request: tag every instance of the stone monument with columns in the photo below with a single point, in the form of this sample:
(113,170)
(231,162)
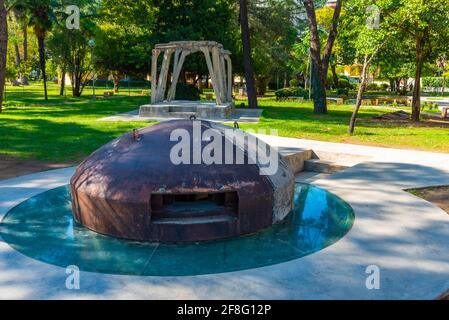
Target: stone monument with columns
(163,102)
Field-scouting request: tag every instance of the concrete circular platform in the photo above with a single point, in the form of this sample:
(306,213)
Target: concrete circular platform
(404,236)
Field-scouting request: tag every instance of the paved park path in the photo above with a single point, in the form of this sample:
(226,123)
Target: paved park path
(404,236)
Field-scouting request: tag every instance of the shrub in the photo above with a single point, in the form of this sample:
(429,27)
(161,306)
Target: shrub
(187,92)
(294,83)
(435,82)
(372,86)
(122,83)
(384,86)
(290,92)
(345,77)
(299,92)
(342,91)
(429,105)
(283,93)
(344,84)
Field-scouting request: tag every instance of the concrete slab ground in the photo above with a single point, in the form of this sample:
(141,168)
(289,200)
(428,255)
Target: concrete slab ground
(240,115)
(405,236)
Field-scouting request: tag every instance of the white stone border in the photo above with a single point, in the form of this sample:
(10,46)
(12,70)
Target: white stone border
(405,236)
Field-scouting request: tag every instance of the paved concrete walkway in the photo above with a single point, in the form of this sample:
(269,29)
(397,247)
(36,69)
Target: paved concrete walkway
(405,236)
(240,115)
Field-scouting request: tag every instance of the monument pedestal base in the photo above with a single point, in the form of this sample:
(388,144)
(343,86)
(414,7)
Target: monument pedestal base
(184,109)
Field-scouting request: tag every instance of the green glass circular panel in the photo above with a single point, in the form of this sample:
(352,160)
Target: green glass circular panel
(42,228)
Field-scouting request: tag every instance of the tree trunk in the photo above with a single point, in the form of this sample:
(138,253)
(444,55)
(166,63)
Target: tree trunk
(391,84)
(318,90)
(76,82)
(17,52)
(3,48)
(247,61)
(358,103)
(41,47)
(416,102)
(398,85)
(116,80)
(63,73)
(334,75)
(320,65)
(24,79)
(25,43)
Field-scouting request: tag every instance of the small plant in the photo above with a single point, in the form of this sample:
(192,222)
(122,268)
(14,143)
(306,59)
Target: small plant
(429,106)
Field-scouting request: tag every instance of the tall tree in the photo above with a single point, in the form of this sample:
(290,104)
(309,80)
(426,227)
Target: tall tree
(320,62)
(3,48)
(126,51)
(425,23)
(40,12)
(69,47)
(272,43)
(247,61)
(22,20)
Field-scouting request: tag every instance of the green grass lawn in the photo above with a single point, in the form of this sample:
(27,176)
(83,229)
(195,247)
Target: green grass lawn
(296,120)
(66,129)
(60,129)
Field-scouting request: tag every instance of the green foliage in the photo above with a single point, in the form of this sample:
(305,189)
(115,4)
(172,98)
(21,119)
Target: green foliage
(372,87)
(70,48)
(434,82)
(290,92)
(342,91)
(384,86)
(122,38)
(294,83)
(123,83)
(431,106)
(272,37)
(187,92)
(344,84)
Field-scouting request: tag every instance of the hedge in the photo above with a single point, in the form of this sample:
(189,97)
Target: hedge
(435,82)
(290,92)
(122,83)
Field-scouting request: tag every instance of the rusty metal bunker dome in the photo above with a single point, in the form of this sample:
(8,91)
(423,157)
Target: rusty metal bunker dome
(129,188)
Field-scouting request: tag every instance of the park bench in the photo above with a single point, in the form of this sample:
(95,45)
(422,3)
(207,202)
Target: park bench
(375,101)
(336,100)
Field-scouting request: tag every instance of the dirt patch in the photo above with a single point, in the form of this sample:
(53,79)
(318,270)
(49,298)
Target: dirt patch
(11,167)
(401,118)
(435,195)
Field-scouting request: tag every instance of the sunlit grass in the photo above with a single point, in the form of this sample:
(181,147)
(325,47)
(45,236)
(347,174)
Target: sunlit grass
(66,128)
